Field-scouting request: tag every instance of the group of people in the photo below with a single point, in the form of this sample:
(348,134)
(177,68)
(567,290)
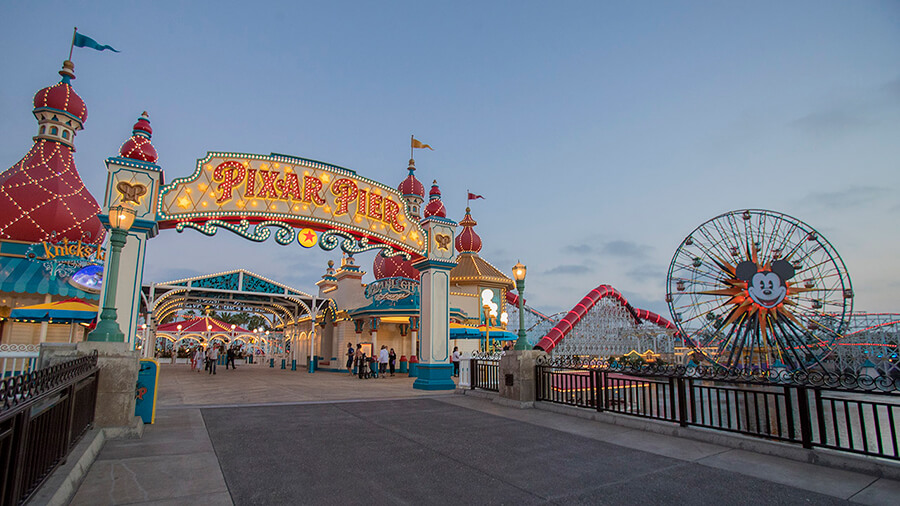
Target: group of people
(371,367)
(365,366)
(210,357)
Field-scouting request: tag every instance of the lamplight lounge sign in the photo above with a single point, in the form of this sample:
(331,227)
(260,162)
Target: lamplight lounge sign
(392,289)
(231,187)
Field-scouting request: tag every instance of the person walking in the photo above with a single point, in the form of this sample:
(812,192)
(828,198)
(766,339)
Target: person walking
(212,355)
(350,356)
(229,358)
(392,360)
(193,359)
(455,359)
(383,357)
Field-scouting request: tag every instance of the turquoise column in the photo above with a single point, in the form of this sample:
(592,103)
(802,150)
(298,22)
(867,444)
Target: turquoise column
(434,369)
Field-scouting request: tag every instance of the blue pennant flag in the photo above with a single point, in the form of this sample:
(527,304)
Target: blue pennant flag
(85,41)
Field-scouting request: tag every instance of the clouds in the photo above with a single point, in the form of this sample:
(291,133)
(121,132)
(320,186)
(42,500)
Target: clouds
(853,112)
(573,270)
(847,198)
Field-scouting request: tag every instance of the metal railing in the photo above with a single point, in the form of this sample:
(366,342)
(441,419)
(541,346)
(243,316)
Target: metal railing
(485,372)
(855,414)
(42,415)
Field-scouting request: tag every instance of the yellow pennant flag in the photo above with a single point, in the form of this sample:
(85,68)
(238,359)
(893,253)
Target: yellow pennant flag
(420,145)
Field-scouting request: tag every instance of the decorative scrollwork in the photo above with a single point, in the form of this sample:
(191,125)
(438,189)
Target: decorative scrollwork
(20,348)
(351,245)
(260,232)
(800,378)
(488,355)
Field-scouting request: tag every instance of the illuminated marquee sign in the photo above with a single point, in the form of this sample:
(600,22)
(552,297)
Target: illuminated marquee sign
(64,258)
(234,191)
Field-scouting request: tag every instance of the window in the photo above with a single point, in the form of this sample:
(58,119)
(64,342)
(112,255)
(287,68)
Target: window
(54,131)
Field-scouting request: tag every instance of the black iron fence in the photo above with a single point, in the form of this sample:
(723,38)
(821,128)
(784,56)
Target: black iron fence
(486,373)
(42,415)
(855,414)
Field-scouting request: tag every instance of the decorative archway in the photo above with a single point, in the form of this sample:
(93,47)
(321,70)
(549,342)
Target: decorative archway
(250,195)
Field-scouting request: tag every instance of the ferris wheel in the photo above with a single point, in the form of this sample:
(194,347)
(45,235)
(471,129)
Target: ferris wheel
(759,290)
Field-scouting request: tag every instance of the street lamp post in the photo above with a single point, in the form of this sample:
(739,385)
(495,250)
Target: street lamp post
(519,275)
(120,220)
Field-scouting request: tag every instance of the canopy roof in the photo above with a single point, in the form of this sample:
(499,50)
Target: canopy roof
(22,275)
(202,324)
(233,291)
(64,311)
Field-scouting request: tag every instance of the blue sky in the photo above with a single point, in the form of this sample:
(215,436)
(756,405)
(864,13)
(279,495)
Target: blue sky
(600,133)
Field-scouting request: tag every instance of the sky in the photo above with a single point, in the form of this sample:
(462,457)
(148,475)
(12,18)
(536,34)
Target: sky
(600,134)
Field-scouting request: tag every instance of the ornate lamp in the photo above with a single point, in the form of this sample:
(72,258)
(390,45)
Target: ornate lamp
(120,219)
(519,275)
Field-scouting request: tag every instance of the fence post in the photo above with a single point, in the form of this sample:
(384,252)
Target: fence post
(805,419)
(601,386)
(474,375)
(682,400)
(789,410)
(592,389)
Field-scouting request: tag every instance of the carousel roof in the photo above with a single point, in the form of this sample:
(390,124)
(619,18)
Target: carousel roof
(202,324)
(471,269)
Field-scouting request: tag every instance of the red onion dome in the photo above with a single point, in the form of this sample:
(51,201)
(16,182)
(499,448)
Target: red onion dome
(393,267)
(468,241)
(42,198)
(61,96)
(435,206)
(412,186)
(138,147)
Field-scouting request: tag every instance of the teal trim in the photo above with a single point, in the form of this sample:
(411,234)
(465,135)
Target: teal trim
(428,263)
(129,162)
(435,377)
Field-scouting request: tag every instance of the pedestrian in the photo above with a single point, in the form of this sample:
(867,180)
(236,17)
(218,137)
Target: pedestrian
(350,356)
(383,358)
(212,355)
(199,357)
(362,365)
(229,358)
(455,359)
(392,360)
(193,359)
(358,357)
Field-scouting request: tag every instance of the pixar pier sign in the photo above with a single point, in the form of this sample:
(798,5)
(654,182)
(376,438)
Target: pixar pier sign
(235,188)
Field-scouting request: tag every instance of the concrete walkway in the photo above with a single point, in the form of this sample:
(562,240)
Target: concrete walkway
(267,436)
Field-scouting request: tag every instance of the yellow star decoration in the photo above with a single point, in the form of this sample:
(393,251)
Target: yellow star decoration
(184,202)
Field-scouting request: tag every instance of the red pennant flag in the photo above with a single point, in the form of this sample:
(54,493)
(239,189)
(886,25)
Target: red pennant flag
(472,196)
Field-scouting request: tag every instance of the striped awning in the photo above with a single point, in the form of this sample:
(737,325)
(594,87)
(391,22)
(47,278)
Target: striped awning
(21,275)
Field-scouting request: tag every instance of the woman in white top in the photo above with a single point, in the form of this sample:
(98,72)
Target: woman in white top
(198,359)
(383,357)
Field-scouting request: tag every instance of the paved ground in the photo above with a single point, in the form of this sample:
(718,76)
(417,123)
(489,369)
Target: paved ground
(264,436)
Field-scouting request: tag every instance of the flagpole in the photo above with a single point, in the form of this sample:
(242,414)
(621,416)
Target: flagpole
(72,47)
(411,137)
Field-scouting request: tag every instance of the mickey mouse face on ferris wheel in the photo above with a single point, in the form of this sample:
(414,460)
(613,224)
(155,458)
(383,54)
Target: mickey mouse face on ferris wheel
(766,288)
